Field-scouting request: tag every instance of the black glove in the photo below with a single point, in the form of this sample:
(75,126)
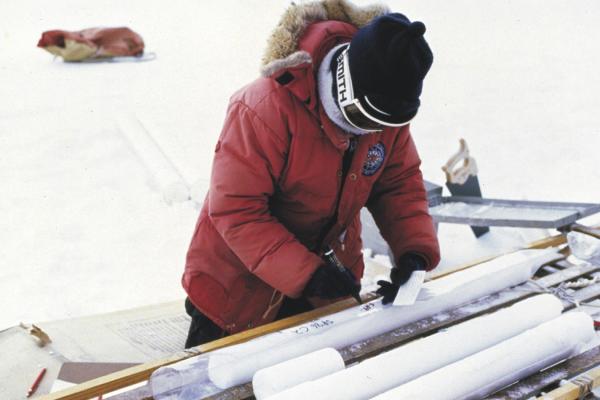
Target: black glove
(331,282)
(406,265)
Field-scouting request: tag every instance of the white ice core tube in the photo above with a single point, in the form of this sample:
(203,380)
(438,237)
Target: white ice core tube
(391,369)
(234,365)
(489,370)
(269,381)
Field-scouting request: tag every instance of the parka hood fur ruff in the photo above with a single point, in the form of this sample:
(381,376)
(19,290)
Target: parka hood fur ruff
(282,47)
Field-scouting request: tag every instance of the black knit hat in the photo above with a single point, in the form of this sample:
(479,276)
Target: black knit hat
(388,60)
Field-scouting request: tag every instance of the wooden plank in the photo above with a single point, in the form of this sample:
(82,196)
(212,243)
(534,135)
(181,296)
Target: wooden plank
(142,372)
(536,383)
(552,241)
(572,391)
(575,271)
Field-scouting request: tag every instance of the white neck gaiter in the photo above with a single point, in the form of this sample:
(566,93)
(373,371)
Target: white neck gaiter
(325,80)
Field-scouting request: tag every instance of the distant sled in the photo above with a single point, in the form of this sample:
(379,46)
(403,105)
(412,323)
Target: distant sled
(96,45)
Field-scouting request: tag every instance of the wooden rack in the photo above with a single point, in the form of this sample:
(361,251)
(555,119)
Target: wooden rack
(373,346)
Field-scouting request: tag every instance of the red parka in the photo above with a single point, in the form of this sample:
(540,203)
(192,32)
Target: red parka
(275,184)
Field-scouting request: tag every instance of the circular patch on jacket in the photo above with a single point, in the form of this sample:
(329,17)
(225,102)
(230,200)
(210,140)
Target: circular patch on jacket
(375,158)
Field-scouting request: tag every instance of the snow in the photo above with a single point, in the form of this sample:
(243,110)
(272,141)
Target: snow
(84,226)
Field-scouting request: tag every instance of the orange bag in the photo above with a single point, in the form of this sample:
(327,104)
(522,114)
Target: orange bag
(93,43)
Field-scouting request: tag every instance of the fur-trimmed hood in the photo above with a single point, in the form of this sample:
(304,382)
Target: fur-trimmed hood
(282,47)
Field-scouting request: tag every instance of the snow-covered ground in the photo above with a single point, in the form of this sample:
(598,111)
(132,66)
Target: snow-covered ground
(84,227)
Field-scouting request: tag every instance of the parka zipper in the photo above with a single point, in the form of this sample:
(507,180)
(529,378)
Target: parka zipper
(346,163)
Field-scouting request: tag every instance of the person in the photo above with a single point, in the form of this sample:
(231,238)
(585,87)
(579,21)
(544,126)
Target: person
(323,132)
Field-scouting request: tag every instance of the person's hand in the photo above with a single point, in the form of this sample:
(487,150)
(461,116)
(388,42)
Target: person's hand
(407,264)
(330,282)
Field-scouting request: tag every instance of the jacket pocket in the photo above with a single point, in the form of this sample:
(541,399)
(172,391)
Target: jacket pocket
(248,300)
(209,296)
